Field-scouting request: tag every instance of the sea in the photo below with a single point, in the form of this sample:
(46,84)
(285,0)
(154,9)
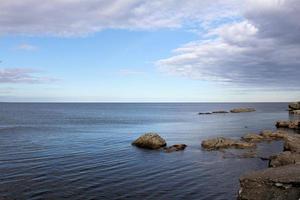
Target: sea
(83,150)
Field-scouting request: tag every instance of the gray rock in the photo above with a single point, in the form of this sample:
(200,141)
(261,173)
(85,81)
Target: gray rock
(239,110)
(295,112)
(150,141)
(280,183)
(223,143)
(292,143)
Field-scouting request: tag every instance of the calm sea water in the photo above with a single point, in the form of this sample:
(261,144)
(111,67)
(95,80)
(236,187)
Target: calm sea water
(83,151)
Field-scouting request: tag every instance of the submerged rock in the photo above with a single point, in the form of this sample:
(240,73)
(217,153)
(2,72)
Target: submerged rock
(150,141)
(280,183)
(239,110)
(284,158)
(175,147)
(288,124)
(294,106)
(222,143)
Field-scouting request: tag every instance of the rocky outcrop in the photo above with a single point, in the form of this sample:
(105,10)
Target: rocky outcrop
(252,137)
(295,112)
(223,143)
(150,141)
(175,147)
(280,183)
(270,135)
(265,135)
(220,112)
(292,143)
(284,158)
(239,110)
(294,106)
(295,124)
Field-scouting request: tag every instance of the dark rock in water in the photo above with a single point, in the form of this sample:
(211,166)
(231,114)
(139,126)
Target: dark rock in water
(280,183)
(220,112)
(204,113)
(222,143)
(284,158)
(150,141)
(175,147)
(288,124)
(294,106)
(240,110)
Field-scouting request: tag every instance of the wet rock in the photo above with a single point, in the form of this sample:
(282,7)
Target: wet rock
(220,112)
(252,137)
(295,112)
(175,147)
(150,141)
(292,143)
(284,158)
(280,183)
(270,135)
(288,124)
(222,143)
(294,106)
(239,110)
(204,113)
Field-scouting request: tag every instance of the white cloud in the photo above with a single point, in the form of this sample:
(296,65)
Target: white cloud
(23,75)
(26,47)
(77,17)
(261,50)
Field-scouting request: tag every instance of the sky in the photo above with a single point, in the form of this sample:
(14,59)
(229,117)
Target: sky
(149,51)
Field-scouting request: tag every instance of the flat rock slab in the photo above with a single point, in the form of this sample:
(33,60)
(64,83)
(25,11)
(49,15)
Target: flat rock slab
(280,183)
(284,158)
(223,143)
(292,143)
(240,110)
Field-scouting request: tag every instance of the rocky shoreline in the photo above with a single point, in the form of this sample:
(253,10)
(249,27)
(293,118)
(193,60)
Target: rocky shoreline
(280,181)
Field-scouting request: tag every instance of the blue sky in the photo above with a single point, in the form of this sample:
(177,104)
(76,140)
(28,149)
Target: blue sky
(207,55)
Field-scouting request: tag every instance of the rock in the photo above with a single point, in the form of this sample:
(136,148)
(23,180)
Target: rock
(295,112)
(270,135)
(280,183)
(150,141)
(221,143)
(220,112)
(292,143)
(239,110)
(294,106)
(284,158)
(175,147)
(288,124)
(252,137)
(204,113)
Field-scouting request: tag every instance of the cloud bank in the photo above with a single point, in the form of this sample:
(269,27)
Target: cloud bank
(22,75)
(77,17)
(261,50)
